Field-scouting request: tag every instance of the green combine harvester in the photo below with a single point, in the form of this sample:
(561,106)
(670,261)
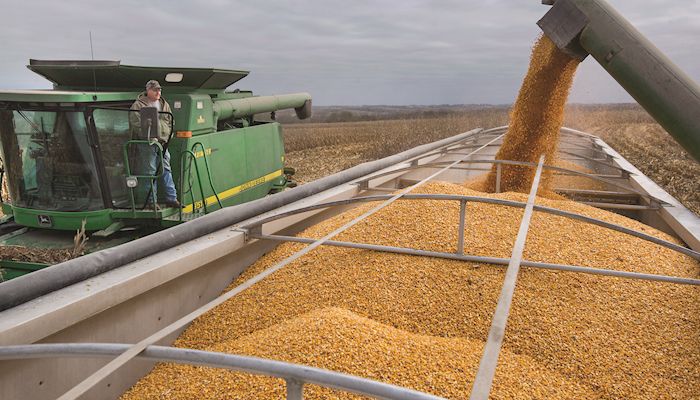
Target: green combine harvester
(69,153)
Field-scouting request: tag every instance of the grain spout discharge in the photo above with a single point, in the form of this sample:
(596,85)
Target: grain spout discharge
(536,117)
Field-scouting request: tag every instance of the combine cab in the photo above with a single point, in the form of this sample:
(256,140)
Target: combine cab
(69,156)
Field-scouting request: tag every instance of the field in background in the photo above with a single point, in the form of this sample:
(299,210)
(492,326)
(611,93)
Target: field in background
(339,138)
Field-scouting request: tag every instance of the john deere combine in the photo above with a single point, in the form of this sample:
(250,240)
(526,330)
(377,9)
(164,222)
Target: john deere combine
(69,154)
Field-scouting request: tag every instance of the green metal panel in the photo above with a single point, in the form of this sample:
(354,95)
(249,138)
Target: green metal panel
(63,96)
(192,112)
(95,220)
(244,163)
(13,269)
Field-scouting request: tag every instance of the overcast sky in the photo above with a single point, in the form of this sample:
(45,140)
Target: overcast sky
(344,52)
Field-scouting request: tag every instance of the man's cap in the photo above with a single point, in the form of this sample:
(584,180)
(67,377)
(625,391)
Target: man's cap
(152,84)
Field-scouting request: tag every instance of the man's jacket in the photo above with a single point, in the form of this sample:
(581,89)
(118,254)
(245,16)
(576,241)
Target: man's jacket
(135,118)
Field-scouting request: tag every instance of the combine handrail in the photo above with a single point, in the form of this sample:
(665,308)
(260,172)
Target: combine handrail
(151,178)
(199,180)
(193,159)
(206,165)
(295,375)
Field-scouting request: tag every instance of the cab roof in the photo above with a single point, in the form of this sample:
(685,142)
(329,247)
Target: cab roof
(64,96)
(103,76)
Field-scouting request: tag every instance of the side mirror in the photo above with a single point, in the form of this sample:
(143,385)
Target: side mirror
(150,128)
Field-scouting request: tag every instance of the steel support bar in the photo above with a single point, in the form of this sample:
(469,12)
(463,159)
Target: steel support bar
(381,189)
(295,373)
(604,176)
(594,177)
(593,160)
(295,389)
(489,360)
(498,177)
(602,193)
(487,200)
(487,260)
(575,132)
(583,147)
(617,206)
(460,233)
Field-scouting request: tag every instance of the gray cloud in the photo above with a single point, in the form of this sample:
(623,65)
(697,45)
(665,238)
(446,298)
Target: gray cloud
(343,52)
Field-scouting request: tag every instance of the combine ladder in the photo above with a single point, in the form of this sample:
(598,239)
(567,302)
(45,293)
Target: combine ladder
(199,204)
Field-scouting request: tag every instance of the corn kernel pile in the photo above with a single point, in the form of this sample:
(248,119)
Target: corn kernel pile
(536,117)
(422,322)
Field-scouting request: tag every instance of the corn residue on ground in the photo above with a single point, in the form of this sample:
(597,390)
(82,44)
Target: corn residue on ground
(536,117)
(422,322)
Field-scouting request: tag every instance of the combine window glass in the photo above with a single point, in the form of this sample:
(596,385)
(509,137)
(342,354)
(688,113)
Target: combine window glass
(49,161)
(115,127)
(113,130)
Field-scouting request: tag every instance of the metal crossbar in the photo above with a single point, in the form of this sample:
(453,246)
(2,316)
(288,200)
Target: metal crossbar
(593,160)
(594,177)
(295,375)
(485,260)
(565,133)
(487,200)
(137,348)
(489,360)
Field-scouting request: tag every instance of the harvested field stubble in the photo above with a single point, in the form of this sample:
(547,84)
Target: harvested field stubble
(317,150)
(644,143)
(36,255)
(421,322)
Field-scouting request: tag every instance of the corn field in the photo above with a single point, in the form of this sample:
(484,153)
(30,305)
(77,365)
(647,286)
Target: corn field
(320,149)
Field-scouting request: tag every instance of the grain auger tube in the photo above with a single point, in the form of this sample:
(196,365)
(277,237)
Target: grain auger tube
(672,98)
(249,106)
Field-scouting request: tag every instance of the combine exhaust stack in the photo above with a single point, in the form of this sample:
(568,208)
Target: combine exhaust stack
(582,27)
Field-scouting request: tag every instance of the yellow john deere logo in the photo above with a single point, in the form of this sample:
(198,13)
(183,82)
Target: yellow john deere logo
(200,154)
(232,192)
(200,119)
